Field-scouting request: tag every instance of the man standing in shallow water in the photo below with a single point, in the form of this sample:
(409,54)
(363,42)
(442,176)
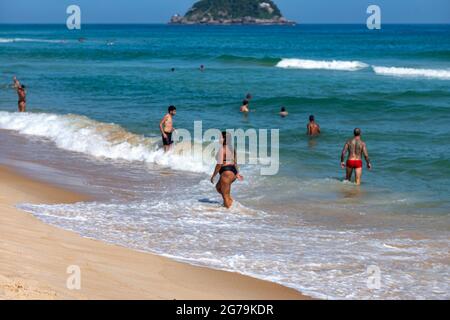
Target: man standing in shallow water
(313,128)
(355,148)
(166,128)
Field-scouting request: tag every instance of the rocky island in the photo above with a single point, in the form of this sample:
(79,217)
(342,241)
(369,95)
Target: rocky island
(227,12)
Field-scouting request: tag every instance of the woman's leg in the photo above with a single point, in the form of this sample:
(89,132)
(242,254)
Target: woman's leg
(226,180)
(22,106)
(218,186)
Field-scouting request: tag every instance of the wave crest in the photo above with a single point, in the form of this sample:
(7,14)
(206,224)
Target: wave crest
(412,72)
(101,140)
(10,40)
(321,64)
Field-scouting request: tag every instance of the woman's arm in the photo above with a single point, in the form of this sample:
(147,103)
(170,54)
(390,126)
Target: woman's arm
(219,158)
(16,83)
(216,171)
(238,176)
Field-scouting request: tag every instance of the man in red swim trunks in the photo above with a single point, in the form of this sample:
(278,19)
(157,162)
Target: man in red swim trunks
(355,148)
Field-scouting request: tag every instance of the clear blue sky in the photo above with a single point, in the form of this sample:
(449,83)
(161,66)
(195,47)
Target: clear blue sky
(157,11)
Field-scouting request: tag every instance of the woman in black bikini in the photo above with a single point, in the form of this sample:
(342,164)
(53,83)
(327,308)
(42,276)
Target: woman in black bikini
(227,168)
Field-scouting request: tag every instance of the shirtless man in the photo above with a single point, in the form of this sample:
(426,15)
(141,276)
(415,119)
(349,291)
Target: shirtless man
(227,168)
(20,88)
(313,128)
(166,128)
(355,148)
(283,112)
(245,107)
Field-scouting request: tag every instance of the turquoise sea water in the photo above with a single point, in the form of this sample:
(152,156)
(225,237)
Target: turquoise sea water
(303,227)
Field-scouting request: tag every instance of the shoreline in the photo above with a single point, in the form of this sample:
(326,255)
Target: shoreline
(35,258)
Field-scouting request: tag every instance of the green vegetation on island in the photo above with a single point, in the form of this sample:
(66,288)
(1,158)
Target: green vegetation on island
(232,12)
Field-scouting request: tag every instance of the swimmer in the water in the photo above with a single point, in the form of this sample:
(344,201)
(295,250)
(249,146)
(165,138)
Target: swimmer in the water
(245,106)
(313,128)
(283,112)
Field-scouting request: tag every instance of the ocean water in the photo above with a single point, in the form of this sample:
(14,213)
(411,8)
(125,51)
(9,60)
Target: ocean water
(94,109)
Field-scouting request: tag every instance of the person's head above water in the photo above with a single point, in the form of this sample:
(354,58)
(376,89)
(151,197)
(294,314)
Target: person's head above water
(245,102)
(283,109)
(357,132)
(311,118)
(22,86)
(249,96)
(172,110)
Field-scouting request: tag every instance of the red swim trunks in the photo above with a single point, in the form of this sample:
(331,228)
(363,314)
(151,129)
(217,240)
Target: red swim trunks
(354,164)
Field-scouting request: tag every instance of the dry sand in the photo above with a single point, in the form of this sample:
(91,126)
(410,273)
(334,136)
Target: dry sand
(34,258)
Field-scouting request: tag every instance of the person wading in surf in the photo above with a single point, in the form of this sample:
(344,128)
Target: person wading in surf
(166,128)
(245,107)
(313,128)
(227,168)
(355,149)
(20,88)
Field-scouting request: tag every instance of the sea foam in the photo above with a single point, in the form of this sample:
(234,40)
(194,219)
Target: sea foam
(412,72)
(10,40)
(321,64)
(100,140)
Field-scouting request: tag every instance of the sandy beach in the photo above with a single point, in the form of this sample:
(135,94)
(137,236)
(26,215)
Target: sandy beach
(35,258)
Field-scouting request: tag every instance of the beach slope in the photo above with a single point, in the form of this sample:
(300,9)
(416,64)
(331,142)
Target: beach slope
(34,258)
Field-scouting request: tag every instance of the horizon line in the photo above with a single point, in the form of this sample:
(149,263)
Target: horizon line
(199,24)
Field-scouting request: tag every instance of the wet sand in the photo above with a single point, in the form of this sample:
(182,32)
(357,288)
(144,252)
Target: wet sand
(34,258)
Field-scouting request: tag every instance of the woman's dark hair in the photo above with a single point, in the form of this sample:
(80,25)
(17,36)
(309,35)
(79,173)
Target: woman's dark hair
(226,138)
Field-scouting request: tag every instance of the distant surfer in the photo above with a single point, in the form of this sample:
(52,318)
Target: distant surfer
(313,128)
(355,149)
(227,168)
(22,94)
(245,107)
(167,129)
(283,112)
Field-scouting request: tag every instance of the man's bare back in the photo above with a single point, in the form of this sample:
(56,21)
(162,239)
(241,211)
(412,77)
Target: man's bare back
(356,148)
(313,128)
